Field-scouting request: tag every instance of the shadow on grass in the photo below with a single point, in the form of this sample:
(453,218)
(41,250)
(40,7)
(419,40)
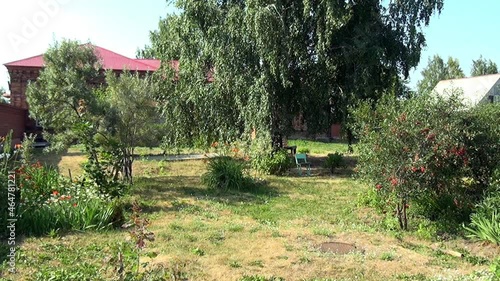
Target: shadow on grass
(318,169)
(175,188)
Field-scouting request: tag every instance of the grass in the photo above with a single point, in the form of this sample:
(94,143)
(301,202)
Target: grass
(317,147)
(271,232)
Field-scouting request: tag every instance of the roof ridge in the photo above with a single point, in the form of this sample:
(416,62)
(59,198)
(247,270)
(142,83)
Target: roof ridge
(135,60)
(470,77)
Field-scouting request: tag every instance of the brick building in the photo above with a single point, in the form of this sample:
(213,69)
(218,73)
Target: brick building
(23,71)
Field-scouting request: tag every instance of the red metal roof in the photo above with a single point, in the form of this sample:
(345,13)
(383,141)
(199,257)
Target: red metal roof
(110,60)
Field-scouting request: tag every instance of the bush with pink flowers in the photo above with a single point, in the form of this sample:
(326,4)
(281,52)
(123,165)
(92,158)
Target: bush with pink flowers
(425,152)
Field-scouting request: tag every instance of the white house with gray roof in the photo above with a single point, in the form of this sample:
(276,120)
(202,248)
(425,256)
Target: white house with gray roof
(474,90)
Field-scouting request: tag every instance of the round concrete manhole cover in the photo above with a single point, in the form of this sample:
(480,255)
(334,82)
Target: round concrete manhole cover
(339,248)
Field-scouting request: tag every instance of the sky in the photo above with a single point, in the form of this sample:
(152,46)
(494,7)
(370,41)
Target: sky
(29,27)
(464,30)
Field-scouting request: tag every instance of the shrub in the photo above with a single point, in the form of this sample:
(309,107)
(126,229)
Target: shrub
(481,133)
(413,149)
(333,161)
(273,164)
(225,173)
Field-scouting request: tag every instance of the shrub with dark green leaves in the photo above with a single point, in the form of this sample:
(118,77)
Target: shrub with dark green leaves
(226,173)
(415,151)
(334,161)
(276,163)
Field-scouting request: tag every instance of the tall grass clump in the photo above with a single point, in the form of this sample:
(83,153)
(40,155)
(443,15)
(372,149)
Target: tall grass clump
(226,173)
(485,221)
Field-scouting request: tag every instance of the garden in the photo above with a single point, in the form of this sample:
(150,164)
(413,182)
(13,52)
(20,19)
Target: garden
(412,193)
(411,201)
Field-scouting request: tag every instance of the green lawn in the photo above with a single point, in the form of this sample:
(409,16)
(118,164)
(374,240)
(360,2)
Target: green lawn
(316,147)
(273,231)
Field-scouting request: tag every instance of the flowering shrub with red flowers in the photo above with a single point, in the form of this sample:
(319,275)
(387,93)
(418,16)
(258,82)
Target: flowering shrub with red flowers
(420,152)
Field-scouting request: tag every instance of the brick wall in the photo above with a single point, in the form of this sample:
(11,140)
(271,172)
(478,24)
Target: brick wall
(19,79)
(12,118)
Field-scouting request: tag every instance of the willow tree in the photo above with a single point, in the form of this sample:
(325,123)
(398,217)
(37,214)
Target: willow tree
(257,64)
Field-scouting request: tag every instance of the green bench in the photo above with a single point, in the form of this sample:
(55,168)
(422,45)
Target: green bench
(301,161)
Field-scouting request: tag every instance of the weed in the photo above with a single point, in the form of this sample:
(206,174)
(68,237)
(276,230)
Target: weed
(305,260)
(197,251)
(257,263)
(234,264)
(234,227)
(323,232)
(388,256)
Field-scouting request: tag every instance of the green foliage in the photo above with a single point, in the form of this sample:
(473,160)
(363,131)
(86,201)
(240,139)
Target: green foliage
(277,163)
(110,120)
(334,160)
(50,202)
(226,173)
(485,222)
(304,150)
(438,70)
(481,66)
(485,228)
(319,147)
(266,63)
(481,132)
(495,268)
(131,118)
(413,149)
(62,93)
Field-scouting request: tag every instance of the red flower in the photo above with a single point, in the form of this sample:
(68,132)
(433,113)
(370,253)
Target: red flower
(378,186)
(394,181)
(422,169)
(414,169)
(55,193)
(74,205)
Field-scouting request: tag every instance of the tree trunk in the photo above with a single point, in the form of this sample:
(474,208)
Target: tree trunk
(402,215)
(127,168)
(350,139)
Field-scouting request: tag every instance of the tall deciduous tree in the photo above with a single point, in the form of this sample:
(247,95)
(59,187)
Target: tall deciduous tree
(65,82)
(438,70)
(268,61)
(482,66)
(110,120)
(131,117)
